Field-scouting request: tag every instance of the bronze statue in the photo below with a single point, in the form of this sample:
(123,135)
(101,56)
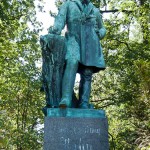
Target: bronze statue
(83,49)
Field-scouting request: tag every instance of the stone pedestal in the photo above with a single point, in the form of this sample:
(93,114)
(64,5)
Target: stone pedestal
(75,129)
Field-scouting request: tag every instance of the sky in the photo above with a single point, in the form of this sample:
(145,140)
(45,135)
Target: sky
(44,17)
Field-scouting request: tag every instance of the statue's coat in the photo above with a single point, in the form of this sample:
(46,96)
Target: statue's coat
(84,32)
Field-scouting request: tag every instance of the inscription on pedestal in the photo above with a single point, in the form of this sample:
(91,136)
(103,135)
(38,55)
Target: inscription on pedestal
(80,143)
(62,133)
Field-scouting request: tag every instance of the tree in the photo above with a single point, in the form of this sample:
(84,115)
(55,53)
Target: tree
(21,101)
(123,88)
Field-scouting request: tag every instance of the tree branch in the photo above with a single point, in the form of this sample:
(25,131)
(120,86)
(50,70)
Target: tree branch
(115,10)
(127,45)
(112,140)
(107,105)
(101,100)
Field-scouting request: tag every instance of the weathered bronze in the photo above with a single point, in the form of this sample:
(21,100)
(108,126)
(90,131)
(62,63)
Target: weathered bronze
(53,56)
(83,50)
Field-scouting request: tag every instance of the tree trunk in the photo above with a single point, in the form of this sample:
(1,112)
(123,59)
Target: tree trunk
(53,55)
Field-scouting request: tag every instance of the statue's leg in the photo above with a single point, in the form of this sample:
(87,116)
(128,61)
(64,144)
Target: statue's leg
(85,87)
(68,83)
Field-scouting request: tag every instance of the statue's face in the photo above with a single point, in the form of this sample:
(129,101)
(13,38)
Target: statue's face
(86,1)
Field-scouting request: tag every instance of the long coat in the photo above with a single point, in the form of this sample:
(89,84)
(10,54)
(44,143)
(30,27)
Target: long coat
(84,32)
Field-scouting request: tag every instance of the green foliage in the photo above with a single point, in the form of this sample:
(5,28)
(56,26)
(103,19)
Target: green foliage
(21,101)
(123,89)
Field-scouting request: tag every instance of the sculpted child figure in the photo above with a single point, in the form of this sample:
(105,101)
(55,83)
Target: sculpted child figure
(83,49)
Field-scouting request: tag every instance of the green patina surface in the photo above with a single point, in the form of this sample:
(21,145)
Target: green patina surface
(79,51)
(75,113)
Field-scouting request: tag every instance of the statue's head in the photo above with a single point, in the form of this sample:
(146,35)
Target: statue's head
(85,1)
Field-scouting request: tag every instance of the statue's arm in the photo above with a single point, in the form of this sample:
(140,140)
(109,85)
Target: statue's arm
(101,29)
(60,20)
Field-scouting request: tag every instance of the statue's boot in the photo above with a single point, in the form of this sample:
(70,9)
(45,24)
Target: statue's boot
(68,83)
(85,88)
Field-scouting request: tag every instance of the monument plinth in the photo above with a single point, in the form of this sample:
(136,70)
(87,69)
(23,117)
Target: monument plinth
(75,129)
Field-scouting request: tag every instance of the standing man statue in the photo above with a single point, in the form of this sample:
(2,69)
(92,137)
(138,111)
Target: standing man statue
(83,50)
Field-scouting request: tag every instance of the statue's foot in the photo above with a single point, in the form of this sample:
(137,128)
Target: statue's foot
(64,104)
(91,106)
(86,106)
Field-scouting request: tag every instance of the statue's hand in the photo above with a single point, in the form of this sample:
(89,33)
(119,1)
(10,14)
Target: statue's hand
(54,30)
(97,31)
